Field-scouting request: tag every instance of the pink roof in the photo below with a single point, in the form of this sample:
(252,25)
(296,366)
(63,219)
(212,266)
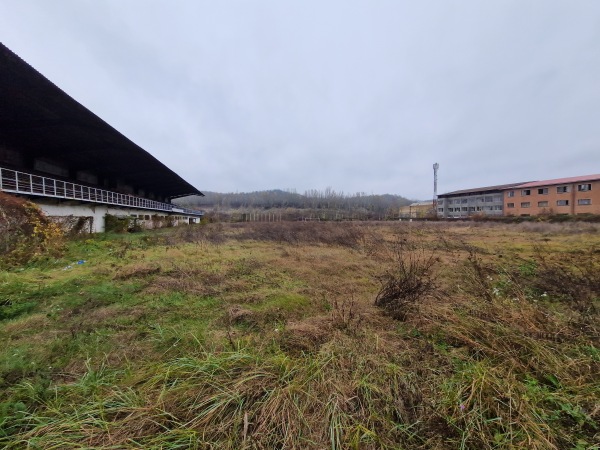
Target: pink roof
(569,180)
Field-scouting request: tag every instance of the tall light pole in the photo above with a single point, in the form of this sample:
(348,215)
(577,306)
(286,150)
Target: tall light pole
(436,166)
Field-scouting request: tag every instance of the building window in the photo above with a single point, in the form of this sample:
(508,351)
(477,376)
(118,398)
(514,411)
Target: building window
(441,210)
(464,200)
(511,194)
(471,209)
(584,201)
(497,198)
(525,204)
(584,187)
(498,207)
(464,208)
(543,191)
(525,192)
(543,204)
(489,199)
(562,189)
(510,205)
(562,202)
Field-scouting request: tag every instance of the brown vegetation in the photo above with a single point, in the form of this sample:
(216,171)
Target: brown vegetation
(310,336)
(25,232)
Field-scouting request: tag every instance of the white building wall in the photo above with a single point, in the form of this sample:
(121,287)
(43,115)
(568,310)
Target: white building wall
(98,211)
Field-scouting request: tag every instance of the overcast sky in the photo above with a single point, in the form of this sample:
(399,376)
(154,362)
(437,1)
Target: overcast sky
(360,96)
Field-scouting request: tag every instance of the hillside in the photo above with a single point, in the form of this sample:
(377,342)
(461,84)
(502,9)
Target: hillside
(266,335)
(328,204)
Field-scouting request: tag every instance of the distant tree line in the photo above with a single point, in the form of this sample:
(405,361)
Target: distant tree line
(312,200)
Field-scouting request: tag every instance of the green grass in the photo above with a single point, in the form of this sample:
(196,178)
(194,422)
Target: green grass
(231,338)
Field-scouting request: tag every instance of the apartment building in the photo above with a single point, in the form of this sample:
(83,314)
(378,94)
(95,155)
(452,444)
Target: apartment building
(574,195)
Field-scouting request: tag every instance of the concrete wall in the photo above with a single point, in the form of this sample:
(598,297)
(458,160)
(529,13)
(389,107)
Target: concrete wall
(550,199)
(52,207)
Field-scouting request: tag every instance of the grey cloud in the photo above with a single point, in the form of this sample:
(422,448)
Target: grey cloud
(357,95)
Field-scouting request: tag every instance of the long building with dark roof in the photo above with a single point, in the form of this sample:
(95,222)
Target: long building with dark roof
(69,161)
(572,195)
(464,203)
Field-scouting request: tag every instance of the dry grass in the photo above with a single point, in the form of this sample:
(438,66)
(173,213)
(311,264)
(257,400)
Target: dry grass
(261,336)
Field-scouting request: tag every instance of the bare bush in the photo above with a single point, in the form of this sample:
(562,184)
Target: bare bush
(477,277)
(409,279)
(25,231)
(345,313)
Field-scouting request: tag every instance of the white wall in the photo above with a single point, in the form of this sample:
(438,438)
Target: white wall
(98,211)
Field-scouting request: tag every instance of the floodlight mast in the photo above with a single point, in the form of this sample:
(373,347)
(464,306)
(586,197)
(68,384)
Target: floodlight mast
(436,166)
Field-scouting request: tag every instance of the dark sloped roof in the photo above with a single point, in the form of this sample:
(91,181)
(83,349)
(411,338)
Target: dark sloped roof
(481,190)
(41,121)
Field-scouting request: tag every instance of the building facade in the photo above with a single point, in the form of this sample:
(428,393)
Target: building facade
(417,210)
(488,201)
(63,157)
(575,195)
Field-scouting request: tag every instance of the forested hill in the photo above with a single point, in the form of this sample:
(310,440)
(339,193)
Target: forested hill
(312,199)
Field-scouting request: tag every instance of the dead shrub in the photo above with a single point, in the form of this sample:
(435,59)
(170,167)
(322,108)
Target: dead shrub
(408,280)
(477,277)
(345,314)
(25,232)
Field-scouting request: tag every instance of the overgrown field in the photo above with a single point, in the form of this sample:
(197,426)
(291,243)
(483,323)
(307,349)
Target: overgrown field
(307,336)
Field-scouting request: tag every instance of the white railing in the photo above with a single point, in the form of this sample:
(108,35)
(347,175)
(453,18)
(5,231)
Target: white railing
(29,184)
